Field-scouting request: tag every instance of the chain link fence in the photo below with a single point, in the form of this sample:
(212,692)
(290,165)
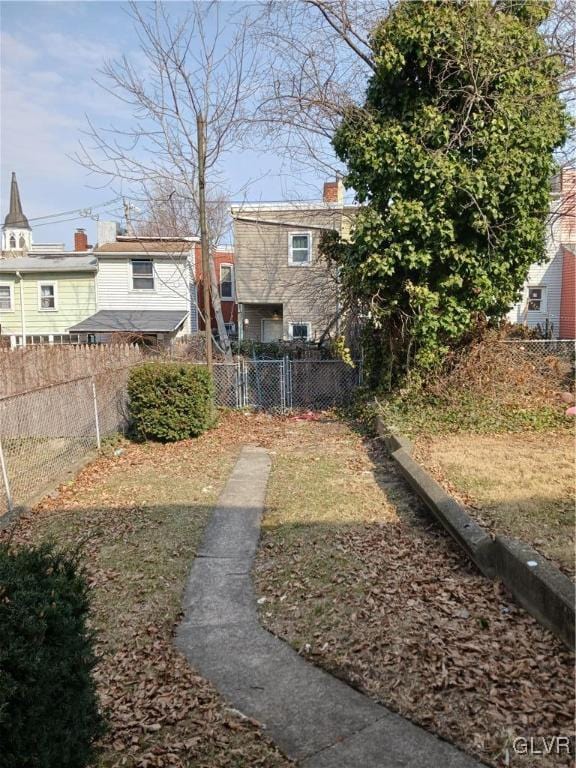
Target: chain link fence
(45,433)
(283,385)
(537,349)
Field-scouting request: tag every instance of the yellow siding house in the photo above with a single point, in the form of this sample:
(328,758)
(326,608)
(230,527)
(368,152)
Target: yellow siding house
(41,297)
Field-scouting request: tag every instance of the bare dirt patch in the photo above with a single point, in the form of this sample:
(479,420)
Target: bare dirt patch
(359,580)
(518,485)
(138,513)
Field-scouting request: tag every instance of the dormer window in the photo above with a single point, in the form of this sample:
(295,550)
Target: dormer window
(12,240)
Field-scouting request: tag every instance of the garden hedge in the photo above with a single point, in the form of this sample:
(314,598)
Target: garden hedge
(49,716)
(170,401)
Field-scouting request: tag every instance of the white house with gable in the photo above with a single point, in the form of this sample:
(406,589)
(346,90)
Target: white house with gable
(143,287)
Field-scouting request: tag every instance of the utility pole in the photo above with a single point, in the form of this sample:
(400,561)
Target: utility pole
(204,241)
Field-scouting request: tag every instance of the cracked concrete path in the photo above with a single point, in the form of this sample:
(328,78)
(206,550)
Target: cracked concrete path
(314,718)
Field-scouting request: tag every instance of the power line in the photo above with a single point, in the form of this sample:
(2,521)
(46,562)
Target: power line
(84,212)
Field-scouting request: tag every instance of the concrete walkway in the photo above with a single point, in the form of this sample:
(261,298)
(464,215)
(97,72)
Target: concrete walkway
(315,719)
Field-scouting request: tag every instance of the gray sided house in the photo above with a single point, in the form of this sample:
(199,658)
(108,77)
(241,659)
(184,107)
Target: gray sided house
(284,288)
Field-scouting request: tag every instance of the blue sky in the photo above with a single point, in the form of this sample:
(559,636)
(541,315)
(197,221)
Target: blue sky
(50,54)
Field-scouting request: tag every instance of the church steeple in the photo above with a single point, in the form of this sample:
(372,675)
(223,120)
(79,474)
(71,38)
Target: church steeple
(16,232)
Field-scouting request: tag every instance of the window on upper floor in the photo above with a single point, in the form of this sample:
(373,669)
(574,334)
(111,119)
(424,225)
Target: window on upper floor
(12,240)
(21,242)
(226,282)
(299,249)
(6,298)
(47,298)
(536,298)
(142,274)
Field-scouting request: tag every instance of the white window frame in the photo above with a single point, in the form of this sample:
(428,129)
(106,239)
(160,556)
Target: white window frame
(291,262)
(302,322)
(233,296)
(10,287)
(543,300)
(132,276)
(52,284)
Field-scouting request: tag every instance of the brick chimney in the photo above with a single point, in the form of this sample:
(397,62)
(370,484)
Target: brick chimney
(80,240)
(333,191)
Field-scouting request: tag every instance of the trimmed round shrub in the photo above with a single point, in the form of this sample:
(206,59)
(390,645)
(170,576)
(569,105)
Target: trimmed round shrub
(170,401)
(49,715)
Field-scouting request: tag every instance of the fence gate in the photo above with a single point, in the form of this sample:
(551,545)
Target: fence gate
(281,385)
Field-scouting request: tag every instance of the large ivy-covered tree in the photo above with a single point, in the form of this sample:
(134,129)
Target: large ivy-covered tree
(451,159)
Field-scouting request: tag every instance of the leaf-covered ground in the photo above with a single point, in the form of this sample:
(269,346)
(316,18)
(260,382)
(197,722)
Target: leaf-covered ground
(138,512)
(356,576)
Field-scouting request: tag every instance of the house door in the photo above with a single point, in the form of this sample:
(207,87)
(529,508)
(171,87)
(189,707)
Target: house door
(272,330)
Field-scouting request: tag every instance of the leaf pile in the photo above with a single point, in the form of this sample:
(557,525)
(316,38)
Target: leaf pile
(137,514)
(389,603)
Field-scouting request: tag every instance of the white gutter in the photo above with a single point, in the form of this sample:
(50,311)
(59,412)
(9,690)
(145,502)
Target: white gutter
(22,314)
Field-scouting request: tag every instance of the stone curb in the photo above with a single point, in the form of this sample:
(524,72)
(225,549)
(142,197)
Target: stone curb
(541,588)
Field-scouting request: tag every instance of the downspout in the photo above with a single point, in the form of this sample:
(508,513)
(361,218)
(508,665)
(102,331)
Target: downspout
(22,314)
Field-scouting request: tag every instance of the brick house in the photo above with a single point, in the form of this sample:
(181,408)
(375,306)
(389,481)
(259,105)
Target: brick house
(225,274)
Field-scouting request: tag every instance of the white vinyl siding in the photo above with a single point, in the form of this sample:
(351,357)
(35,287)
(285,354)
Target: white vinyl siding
(171,286)
(548,276)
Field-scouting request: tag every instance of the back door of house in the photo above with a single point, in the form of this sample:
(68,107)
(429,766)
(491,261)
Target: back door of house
(271,330)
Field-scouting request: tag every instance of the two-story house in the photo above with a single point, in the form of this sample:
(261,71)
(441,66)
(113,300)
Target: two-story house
(43,289)
(284,288)
(549,293)
(143,288)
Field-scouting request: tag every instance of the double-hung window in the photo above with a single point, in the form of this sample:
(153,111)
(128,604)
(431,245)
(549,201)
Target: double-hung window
(47,297)
(6,298)
(299,249)
(226,282)
(537,298)
(142,274)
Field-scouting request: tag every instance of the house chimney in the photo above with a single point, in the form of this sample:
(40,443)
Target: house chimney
(333,191)
(80,240)
(106,232)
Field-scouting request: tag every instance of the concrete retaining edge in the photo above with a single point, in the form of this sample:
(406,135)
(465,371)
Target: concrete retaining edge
(543,590)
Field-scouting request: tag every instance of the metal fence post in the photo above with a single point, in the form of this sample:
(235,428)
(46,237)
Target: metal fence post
(96,420)
(283,385)
(5,479)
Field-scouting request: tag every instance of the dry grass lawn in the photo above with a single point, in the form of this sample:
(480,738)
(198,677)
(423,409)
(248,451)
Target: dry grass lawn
(518,485)
(359,579)
(138,514)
